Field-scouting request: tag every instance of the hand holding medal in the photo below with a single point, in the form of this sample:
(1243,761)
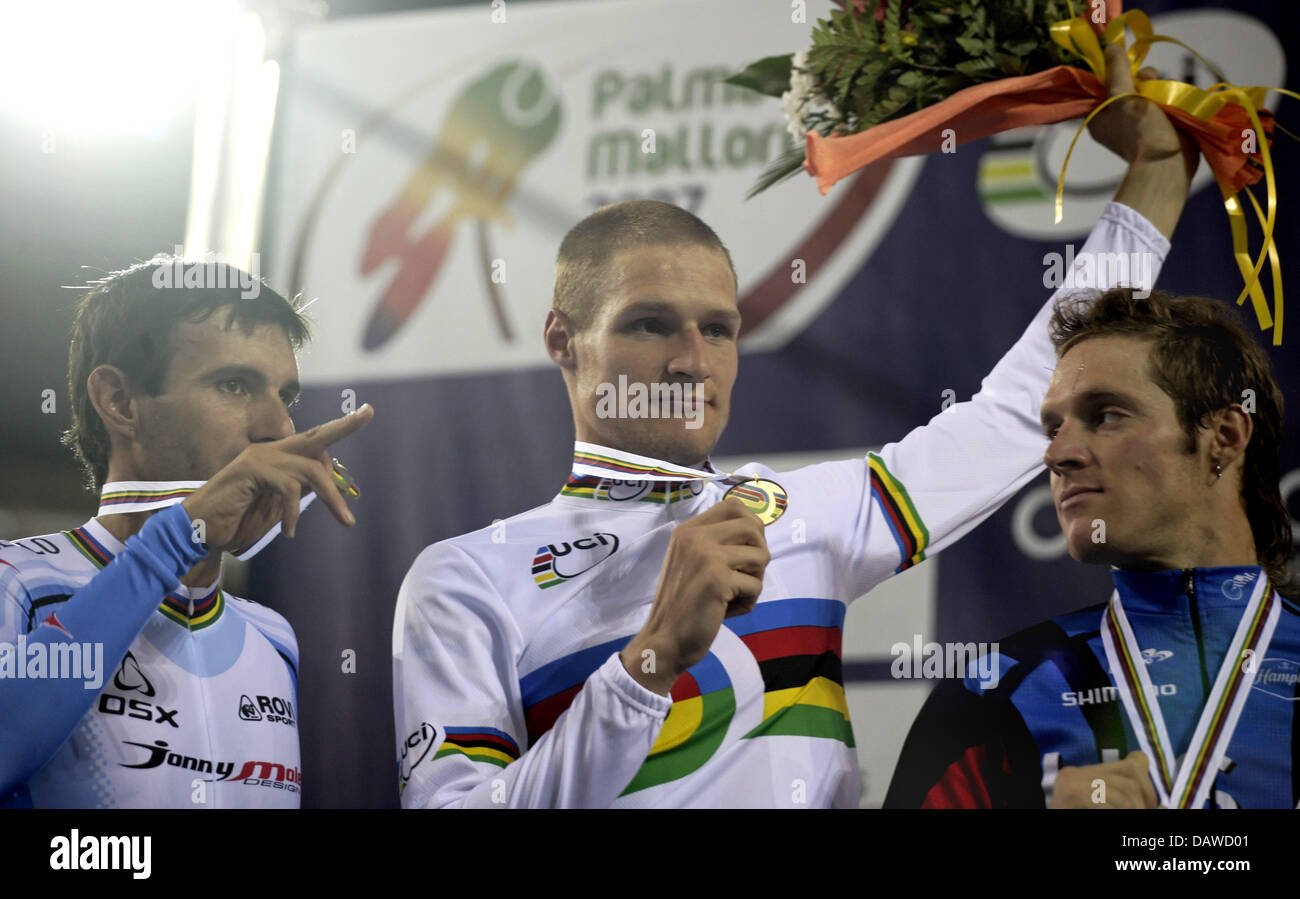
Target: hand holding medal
(713,570)
(764,498)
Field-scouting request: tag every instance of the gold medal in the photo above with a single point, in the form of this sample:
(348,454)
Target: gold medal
(343,480)
(764,498)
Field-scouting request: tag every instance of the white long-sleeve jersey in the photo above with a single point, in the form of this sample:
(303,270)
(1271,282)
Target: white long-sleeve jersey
(120,687)
(509,690)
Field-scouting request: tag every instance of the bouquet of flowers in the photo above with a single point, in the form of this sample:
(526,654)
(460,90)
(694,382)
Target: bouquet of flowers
(890,78)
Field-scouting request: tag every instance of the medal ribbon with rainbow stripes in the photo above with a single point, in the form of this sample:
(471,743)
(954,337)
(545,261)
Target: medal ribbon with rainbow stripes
(766,499)
(1188,786)
(124,497)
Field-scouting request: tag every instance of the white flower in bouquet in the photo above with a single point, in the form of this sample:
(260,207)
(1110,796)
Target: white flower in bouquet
(804,104)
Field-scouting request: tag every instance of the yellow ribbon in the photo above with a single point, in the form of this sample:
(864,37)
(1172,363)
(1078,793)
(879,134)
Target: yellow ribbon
(1077,36)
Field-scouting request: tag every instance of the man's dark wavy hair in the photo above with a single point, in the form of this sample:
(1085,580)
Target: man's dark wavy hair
(126,321)
(1204,359)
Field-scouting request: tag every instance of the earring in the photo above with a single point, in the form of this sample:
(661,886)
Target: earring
(1218,471)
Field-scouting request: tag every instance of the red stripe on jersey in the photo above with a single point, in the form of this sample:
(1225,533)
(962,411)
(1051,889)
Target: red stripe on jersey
(540,716)
(805,640)
(55,622)
(686,687)
(895,516)
(507,746)
(962,785)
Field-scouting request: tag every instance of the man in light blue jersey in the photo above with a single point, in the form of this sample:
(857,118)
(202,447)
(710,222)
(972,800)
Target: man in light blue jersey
(128,677)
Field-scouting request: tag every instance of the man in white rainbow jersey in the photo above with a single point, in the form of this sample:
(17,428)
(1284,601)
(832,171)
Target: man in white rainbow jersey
(639,640)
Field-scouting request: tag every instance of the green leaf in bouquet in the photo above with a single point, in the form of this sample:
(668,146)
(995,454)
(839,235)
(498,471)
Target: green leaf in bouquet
(865,79)
(977,68)
(896,99)
(841,46)
(1020,47)
(770,75)
(893,28)
(1010,65)
(787,164)
(913,78)
(918,54)
(893,16)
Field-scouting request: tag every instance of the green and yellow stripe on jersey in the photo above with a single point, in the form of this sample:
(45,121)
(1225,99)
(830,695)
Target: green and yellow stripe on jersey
(482,744)
(904,521)
(206,610)
(797,644)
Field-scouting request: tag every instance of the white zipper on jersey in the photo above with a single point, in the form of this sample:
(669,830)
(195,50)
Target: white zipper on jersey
(203,702)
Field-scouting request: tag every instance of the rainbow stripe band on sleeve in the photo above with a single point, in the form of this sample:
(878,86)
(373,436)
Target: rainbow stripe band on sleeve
(482,744)
(904,522)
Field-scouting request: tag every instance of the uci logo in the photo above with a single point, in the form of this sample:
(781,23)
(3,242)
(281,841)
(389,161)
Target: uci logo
(556,563)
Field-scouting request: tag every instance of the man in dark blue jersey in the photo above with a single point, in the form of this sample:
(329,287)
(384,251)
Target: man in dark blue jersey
(1181,690)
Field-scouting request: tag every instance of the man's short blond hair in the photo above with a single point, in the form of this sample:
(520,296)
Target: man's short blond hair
(582,275)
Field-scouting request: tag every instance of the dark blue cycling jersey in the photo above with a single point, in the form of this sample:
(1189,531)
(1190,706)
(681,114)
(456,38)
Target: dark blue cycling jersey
(1055,703)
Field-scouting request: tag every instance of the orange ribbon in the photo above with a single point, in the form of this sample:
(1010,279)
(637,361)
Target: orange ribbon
(1224,120)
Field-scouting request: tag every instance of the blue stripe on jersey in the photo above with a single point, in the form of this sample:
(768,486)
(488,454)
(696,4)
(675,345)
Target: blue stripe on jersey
(290,660)
(1039,699)
(566,672)
(51,584)
(1000,664)
(709,674)
(796,612)
(483,730)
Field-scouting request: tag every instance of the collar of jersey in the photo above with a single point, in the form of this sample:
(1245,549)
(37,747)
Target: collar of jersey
(1229,586)
(628,494)
(190,607)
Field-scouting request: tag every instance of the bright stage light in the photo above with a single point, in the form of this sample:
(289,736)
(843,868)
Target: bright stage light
(92,67)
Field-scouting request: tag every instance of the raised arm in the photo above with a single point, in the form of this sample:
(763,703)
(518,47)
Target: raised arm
(929,489)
